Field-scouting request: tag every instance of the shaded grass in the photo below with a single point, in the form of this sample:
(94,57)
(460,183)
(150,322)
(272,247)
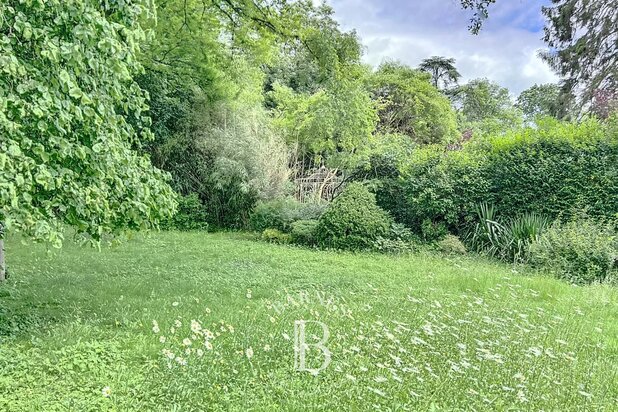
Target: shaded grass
(79,320)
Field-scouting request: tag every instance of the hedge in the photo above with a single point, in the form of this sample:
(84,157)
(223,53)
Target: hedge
(553,169)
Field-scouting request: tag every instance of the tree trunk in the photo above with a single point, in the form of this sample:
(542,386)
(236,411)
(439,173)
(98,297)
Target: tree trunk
(2,261)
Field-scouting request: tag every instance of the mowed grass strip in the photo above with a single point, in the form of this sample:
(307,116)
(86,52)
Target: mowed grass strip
(195,321)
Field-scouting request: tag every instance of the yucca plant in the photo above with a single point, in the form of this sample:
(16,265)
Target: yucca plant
(520,233)
(508,241)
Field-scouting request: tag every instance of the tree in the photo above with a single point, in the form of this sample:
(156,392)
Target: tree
(485,106)
(317,55)
(541,100)
(333,125)
(442,70)
(71,116)
(582,36)
(411,105)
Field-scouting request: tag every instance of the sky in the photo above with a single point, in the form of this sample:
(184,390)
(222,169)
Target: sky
(411,30)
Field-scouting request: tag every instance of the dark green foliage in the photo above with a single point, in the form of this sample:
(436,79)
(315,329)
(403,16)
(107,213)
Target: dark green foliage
(580,251)
(276,236)
(555,169)
(436,191)
(281,213)
(353,220)
(549,170)
(191,214)
(541,100)
(304,232)
(433,231)
(442,70)
(398,231)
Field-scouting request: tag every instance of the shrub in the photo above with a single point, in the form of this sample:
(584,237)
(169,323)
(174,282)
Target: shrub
(191,215)
(400,232)
(394,246)
(433,231)
(304,232)
(281,213)
(543,170)
(579,251)
(275,236)
(276,214)
(353,220)
(510,240)
(229,154)
(451,245)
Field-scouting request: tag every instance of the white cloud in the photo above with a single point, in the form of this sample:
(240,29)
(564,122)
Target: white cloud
(506,51)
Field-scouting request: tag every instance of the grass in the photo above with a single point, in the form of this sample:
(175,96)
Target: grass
(406,333)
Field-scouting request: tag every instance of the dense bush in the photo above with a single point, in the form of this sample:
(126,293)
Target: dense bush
(451,245)
(281,213)
(547,170)
(436,191)
(580,251)
(353,220)
(191,215)
(304,232)
(229,155)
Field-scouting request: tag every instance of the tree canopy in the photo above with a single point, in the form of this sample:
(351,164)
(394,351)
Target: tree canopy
(582,40)
(485,106)
(541,100)
(71,116)
(411,105)
(442,70)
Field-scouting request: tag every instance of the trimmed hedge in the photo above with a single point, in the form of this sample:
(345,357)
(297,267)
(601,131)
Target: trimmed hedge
(552,170)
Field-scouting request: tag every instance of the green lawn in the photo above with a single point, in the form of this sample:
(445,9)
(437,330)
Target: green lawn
(407,333)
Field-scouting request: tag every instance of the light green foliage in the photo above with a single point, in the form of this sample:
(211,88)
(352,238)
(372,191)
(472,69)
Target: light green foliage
(485,108)
(541,100)
(70,116)
(353,220)
(61,344)
(215,46)
(275,236)
(334,124)
(579,251)
(411,105)
(451,245)
(315,50)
